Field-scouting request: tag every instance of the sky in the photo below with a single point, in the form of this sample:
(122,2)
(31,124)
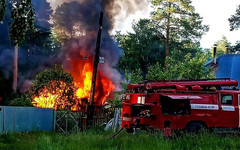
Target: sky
(215,13)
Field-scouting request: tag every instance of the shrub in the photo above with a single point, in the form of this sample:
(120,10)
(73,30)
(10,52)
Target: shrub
(58,84)
(24,101)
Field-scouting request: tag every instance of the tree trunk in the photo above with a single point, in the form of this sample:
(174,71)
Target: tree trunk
(167,42)
(15,68)
(168,31)
(168,35)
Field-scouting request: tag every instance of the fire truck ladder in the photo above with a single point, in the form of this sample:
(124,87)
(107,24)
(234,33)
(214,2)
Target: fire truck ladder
(183,84)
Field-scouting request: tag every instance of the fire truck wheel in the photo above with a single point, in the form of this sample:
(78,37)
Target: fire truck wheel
(195,127)
(130,130)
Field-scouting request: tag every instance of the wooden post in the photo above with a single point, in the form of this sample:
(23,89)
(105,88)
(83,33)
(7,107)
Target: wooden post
(15,67)
(90,109)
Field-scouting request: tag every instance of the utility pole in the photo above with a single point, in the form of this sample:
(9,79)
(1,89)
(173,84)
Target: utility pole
(90,109)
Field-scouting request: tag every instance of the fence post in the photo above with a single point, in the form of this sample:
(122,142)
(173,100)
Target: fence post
(54,120)
(115,120)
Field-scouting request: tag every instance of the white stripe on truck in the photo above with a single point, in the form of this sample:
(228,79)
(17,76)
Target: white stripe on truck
(204,106)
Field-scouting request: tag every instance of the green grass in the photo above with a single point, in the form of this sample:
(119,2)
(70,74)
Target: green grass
(97,139)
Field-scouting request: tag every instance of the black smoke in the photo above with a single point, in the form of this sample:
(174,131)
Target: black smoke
(33,54)
(40,51)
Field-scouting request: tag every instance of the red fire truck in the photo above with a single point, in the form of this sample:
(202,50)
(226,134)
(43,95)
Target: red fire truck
(190,105)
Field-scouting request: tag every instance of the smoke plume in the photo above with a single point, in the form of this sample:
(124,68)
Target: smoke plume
(79,19)
(113,8)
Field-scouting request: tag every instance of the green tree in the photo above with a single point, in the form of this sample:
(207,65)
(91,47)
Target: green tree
(41,42)
(190,68)
(55,81)
(66,21)
(2,9)
(116,101)
(235,48)
(6,93)
(22,20)
(222,46)
(141,48)
(131,78)
(234,20)
(178,21)
(24,101)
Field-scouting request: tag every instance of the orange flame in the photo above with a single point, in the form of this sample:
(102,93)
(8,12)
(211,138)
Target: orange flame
(85,89)
(56,95)
(56,98)
(104,86)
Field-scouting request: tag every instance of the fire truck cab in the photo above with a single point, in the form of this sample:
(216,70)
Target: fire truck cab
(182,104)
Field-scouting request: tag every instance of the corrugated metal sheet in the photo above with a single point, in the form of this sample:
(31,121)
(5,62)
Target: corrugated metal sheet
(22,119)
(229,67)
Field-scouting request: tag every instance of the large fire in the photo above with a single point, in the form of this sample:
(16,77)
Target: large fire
(57,98)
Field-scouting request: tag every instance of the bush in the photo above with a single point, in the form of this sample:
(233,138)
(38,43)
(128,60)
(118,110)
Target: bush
(117,100)
(43,79)
(24,101)
(6,92)
(58,84)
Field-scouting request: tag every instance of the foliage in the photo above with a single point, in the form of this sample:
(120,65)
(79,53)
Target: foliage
(24,101)
(22,20)
(182,48)
(236,48)
(53,80)
(96,139)
(117,100)
(142,48)
(222,46)
(178,22)
(41,43)
(5,90)
(190,68)
(2,9)
(135,76)
(43,78)
(234,20)
(132,77)
(66,21)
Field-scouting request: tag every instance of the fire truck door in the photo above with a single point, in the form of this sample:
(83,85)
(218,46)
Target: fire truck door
(228,113)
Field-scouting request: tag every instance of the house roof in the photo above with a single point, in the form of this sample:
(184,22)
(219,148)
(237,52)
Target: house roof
(228,66)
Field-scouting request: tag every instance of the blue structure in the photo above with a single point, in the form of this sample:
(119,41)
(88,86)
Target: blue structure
(23,119)
(227,66)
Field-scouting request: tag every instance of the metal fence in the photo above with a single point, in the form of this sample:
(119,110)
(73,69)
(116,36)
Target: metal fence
(74,122)
(23,119)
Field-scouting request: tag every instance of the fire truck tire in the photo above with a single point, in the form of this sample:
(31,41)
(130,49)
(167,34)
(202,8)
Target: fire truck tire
(195,127)
(130,130)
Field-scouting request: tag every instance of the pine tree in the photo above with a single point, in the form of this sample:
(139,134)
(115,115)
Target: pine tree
(22,21)
(178,21)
